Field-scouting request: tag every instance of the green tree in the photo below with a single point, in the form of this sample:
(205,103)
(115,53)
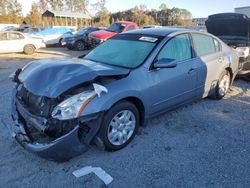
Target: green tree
(12,11)
(42,6)
(34,18)
(56,4)
(77,5)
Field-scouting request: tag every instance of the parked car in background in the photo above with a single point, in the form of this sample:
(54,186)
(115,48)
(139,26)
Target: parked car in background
(111,91)
(12,41)
(97,37)
(79,41)
(53,35)
(234,30)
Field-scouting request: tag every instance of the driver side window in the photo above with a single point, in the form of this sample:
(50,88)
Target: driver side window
(177,49)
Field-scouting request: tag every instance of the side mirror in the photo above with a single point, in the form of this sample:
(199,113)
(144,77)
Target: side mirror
(165,63)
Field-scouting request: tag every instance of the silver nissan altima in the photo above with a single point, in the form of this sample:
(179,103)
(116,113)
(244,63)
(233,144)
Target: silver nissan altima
(59,106)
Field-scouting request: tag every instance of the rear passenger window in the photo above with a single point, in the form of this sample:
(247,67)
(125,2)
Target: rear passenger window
(14,36)
(203,44)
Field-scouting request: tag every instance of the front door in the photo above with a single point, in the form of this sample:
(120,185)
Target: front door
(175,85)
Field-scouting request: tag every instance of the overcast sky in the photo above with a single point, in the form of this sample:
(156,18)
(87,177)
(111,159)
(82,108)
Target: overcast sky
(198,8)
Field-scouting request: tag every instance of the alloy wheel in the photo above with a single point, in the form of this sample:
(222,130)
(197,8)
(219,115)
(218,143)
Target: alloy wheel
(121,127)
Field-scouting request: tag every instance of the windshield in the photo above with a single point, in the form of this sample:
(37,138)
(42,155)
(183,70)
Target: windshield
(122,53)
(81,31)
(116,27)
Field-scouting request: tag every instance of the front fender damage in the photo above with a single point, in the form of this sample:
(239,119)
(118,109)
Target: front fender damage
(43,143)
(33,101)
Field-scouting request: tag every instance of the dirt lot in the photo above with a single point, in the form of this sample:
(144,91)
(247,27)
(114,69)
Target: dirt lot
(205,144)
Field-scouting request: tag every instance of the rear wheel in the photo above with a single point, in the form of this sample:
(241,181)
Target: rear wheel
(80,45)
(29,49)
(223,85)
(120,125)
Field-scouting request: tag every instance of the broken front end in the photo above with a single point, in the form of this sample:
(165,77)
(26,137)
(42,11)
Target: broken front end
(50,127)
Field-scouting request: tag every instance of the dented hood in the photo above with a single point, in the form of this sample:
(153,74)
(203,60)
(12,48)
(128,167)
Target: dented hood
(53,77)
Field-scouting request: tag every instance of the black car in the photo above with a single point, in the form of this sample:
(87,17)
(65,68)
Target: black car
(79,41)
(234,30)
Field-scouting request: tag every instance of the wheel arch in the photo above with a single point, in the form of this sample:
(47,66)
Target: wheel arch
(138,104)
(229,69)
(29,44)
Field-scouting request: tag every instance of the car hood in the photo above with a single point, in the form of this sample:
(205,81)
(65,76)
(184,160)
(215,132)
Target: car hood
(102,34)
(52,77)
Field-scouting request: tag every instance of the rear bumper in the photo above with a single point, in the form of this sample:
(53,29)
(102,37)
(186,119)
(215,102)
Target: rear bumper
(61,149)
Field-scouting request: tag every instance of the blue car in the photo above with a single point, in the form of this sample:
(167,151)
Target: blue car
(60,106)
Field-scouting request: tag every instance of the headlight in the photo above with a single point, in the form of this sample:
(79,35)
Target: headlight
(73,106)
(70,108)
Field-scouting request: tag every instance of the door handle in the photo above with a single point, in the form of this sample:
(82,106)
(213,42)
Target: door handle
(191,71)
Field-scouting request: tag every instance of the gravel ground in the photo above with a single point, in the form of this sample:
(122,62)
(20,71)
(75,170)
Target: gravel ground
(205,144)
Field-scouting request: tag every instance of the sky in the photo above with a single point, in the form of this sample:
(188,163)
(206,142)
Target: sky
(198,8)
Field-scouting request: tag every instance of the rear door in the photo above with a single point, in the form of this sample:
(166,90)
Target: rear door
(3,42)
(208,51)
(173,86)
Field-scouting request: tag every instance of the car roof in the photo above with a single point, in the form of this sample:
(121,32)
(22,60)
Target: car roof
(157,31)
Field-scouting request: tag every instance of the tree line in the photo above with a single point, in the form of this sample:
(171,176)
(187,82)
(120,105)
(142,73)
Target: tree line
(11,12)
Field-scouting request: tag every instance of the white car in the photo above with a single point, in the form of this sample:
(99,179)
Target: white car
(12,41)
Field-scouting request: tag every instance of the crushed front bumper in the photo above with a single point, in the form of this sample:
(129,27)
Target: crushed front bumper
(61,149)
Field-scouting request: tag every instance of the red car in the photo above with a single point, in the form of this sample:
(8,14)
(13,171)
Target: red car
(98,37)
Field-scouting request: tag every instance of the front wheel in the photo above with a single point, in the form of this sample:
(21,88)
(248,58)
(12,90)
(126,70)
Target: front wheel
(80,45)
(120,125)
(29,49)
(223,85)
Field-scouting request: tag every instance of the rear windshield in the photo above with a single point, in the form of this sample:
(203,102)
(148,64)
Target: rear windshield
(116,27)
(128,52)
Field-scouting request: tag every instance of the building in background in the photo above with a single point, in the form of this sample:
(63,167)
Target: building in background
(66,18)
(243,10)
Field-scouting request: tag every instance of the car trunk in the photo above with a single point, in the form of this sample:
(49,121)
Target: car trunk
(232,28)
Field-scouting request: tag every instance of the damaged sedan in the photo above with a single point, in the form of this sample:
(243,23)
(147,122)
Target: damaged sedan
(60,106)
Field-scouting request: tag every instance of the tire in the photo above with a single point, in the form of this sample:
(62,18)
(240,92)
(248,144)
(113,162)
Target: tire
(222,85)
(70,47)
(118,134)
(29,49)
(80,45)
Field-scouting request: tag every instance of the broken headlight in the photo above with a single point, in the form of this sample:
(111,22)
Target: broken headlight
(73,106)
